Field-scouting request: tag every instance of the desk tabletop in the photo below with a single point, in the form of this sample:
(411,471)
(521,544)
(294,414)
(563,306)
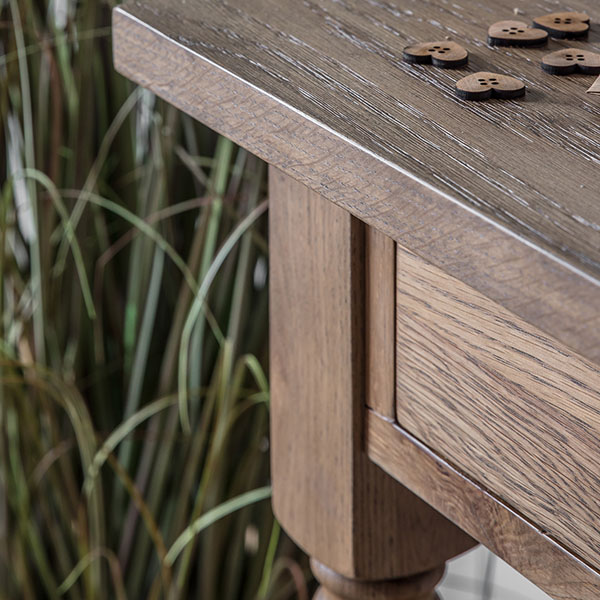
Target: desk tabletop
(527,167)
(531,164)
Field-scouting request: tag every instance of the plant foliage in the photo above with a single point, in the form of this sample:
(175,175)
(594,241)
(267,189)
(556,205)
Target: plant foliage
(133,334)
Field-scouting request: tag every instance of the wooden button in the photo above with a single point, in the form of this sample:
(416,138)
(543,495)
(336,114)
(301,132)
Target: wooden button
(483,85)
(571,60)
(563,25)
(447,55)
(516,33)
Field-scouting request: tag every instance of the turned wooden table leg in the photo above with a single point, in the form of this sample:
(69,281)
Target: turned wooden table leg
(341,508)
(337,587)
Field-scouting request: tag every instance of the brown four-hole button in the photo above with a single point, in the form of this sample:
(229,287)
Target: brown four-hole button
(571,60)
(447,55)
(516,33)
(564,25)
(484,85)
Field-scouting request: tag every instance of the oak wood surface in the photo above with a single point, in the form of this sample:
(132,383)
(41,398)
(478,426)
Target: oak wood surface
(380,310)
(482,514)
(340,62)
(432,191)
(502,197)
(334,502)
(514,409)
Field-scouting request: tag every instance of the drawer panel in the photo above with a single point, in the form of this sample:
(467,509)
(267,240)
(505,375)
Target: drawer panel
(513,409)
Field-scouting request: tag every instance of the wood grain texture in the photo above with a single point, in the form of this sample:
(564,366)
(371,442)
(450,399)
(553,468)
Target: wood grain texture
(514,409)
(281,97)
(380,304)
(340,62)
(334,502)
(336,587)
(483,515)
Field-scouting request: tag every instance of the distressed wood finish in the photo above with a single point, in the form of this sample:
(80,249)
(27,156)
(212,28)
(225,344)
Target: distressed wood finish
(493,522)
(500,195)
(380,371)
(339,506)
(514,409)
(340,62)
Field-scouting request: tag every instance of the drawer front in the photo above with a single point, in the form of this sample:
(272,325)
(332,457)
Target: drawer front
(510,407)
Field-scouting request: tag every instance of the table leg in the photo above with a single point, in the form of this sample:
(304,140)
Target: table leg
(331,499)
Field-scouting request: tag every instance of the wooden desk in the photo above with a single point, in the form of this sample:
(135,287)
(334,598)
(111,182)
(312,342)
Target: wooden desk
(435,272)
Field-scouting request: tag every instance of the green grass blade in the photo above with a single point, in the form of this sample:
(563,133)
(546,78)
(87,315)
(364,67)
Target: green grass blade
(85,562)
(119,434)
(198,304)
(92,178)
(69,236)
(223,154)
(36,272)
(212,516)
(269,560)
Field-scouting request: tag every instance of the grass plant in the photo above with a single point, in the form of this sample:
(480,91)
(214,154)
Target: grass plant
(134,391)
